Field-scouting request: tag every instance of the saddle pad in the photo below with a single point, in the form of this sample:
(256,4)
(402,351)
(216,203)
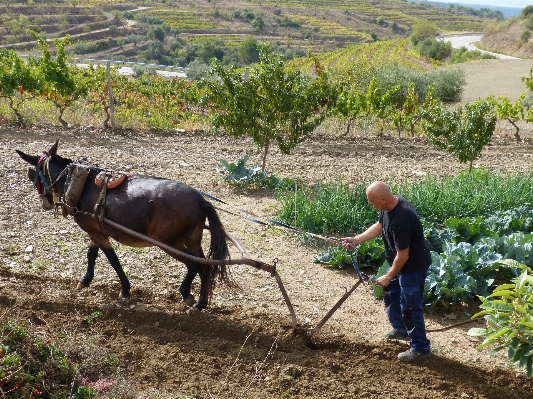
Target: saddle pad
(114,179)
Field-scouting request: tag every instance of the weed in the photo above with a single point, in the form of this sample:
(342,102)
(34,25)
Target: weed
(92,317)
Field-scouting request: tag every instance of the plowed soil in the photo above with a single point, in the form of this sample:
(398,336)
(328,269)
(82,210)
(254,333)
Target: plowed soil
(242,345)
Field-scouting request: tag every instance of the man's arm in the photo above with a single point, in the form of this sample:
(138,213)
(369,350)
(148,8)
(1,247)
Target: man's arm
(372,232)
(397,265)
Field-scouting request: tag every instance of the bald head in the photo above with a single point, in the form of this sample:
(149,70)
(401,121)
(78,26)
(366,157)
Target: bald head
(380,196)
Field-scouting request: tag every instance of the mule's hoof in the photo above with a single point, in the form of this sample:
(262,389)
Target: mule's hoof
(192,311)
(190,301)
(199,306)
(82,286)
(124,294)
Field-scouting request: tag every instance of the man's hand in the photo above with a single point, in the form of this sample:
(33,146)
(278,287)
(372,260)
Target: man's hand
(350,242)
(383,281)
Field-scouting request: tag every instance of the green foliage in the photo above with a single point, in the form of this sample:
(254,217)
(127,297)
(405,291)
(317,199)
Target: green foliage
(512,112)
(336,208)
(473,194)
(19,81)
(463,132)
(422,30)
(526,12)
(464,55)
(328,208)
(239,174)
(61,83)
(90,319)
(33,368)
(446,85)
(508,312)
(335,256)
(528,22)
(369,254)
(434,49)
(275,104)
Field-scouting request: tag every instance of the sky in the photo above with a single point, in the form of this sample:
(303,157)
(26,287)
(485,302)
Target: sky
(501,3)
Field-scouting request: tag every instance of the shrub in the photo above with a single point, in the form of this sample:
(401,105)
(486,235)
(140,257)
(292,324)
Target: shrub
(448,84)
(508,312)
(422,30)
(239,174)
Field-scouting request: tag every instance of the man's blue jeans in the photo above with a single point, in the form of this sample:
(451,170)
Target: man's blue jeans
(403,302)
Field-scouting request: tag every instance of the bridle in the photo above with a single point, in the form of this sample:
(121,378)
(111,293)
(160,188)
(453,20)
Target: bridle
(40,179)
(43,179)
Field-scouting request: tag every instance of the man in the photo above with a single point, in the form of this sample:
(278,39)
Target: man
(408,254)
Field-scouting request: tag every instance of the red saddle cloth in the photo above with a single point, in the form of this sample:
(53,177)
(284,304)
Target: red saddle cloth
(114,179)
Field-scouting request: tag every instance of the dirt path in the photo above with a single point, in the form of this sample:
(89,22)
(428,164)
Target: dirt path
(242,345)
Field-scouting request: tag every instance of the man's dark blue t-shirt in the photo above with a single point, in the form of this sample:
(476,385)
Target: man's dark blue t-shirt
(401,229)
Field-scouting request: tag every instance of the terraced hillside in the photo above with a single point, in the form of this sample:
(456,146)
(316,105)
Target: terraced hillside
(120,29)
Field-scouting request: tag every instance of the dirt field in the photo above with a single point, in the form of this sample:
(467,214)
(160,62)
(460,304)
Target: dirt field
(496,77)
(242,345)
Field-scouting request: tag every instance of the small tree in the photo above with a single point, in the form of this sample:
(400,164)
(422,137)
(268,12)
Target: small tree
(19,81)
(422,30)
(407,114)
(62,84)
(275,104)
(463,132)
(512,112)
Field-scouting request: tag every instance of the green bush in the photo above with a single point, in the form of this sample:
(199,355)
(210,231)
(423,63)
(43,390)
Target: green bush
(464,55)
(447,84)
(239,174)
(434,49)
(422,30)
(508,312)
(34,368)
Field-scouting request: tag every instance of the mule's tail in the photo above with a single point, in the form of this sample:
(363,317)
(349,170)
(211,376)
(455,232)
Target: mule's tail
(218,249)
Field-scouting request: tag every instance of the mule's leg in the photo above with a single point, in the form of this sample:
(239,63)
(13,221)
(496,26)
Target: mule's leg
(92,254)
(185,287)
(115,263)
(103,243)
(203,300)
(193,269)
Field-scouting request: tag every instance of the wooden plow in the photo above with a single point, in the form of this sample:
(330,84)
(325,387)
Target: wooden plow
(247,260)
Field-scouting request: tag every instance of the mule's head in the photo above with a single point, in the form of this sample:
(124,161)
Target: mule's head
(46,170)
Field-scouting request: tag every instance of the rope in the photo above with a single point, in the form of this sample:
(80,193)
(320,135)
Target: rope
(267,221)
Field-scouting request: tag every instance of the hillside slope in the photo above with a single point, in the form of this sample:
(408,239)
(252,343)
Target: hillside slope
(510,40)
(308,25)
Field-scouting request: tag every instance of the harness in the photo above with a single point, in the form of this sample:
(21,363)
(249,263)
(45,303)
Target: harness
(77,173)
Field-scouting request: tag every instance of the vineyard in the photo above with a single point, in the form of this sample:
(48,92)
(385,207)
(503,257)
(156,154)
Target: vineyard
(118,27)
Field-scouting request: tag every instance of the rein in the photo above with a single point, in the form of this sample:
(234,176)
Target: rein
(269,222)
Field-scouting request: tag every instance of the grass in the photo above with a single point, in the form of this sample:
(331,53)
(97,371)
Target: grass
(336,209)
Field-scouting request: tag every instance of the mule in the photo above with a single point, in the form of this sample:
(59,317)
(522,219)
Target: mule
(167,211)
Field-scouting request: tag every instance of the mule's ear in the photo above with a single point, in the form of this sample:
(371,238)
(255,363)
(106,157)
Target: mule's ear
(53,149)
(33,160)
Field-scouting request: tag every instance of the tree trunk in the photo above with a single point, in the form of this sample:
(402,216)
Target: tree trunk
(61,120)
(516,135)
(265,152)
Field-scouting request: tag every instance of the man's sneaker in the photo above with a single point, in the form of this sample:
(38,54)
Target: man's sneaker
(395,335)
(410,355)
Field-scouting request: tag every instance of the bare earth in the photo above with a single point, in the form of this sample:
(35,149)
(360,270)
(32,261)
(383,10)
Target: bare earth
(242,345)
(495,76)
